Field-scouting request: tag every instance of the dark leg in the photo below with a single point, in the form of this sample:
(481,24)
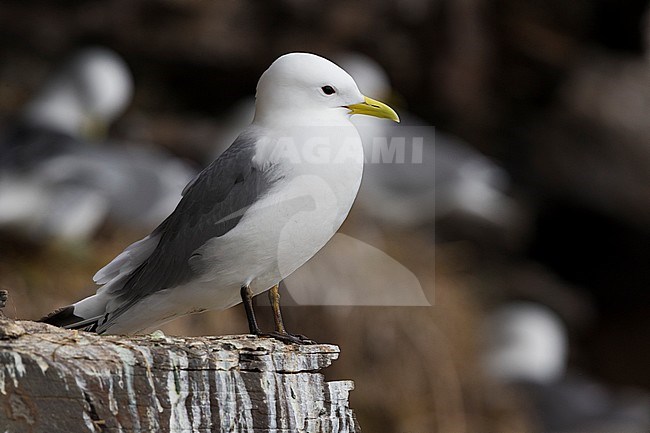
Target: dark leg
(247,299)
(280,332)
(274,298)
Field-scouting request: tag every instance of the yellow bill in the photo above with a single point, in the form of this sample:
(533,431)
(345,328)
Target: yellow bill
(370,107)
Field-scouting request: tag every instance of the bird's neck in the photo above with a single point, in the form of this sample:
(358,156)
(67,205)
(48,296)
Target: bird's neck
(304,117)
(309,148)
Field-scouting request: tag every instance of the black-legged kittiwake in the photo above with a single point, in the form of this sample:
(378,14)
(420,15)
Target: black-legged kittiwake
(416,174)
(253,216)
(60,178)
(527,347)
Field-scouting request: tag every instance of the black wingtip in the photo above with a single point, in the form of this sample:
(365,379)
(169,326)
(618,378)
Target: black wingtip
(62,317)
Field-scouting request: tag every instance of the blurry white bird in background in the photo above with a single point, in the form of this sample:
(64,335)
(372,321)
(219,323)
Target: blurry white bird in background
(526,346)
(439,176)
(525,342)
(59,180)
(82,99)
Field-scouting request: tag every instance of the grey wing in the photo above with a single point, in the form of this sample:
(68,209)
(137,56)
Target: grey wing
(211,206)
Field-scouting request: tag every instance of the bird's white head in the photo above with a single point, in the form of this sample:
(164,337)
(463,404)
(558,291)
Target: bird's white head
(303,83)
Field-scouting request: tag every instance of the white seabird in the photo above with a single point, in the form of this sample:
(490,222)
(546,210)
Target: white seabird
(438,175)
(525,342)
(527,346)
(79,101)
(60,179)
(251,218)
(92,89)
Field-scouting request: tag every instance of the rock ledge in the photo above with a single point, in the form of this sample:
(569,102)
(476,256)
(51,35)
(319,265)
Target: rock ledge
(58,380)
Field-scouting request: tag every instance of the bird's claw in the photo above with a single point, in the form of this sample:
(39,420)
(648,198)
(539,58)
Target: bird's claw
(287,338)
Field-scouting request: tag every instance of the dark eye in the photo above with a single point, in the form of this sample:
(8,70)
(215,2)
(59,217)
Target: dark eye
(328,90)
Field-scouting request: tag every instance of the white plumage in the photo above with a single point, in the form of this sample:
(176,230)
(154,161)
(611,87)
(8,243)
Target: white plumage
(256,214)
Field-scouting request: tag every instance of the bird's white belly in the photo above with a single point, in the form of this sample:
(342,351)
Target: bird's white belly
(276,236)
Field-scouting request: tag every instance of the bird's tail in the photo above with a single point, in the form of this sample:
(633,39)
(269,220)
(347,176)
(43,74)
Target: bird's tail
(90,314)
(84,315)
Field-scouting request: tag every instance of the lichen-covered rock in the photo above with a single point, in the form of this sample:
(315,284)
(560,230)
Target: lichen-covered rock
(53,380)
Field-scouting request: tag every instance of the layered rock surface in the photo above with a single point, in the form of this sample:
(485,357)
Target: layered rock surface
(59,380)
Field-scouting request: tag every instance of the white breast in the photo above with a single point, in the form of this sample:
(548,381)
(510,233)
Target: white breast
(277,234)
(320,170)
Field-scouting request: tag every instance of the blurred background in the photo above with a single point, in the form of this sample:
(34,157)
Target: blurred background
(526,226)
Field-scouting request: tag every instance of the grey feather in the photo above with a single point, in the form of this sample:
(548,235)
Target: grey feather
(211,206)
